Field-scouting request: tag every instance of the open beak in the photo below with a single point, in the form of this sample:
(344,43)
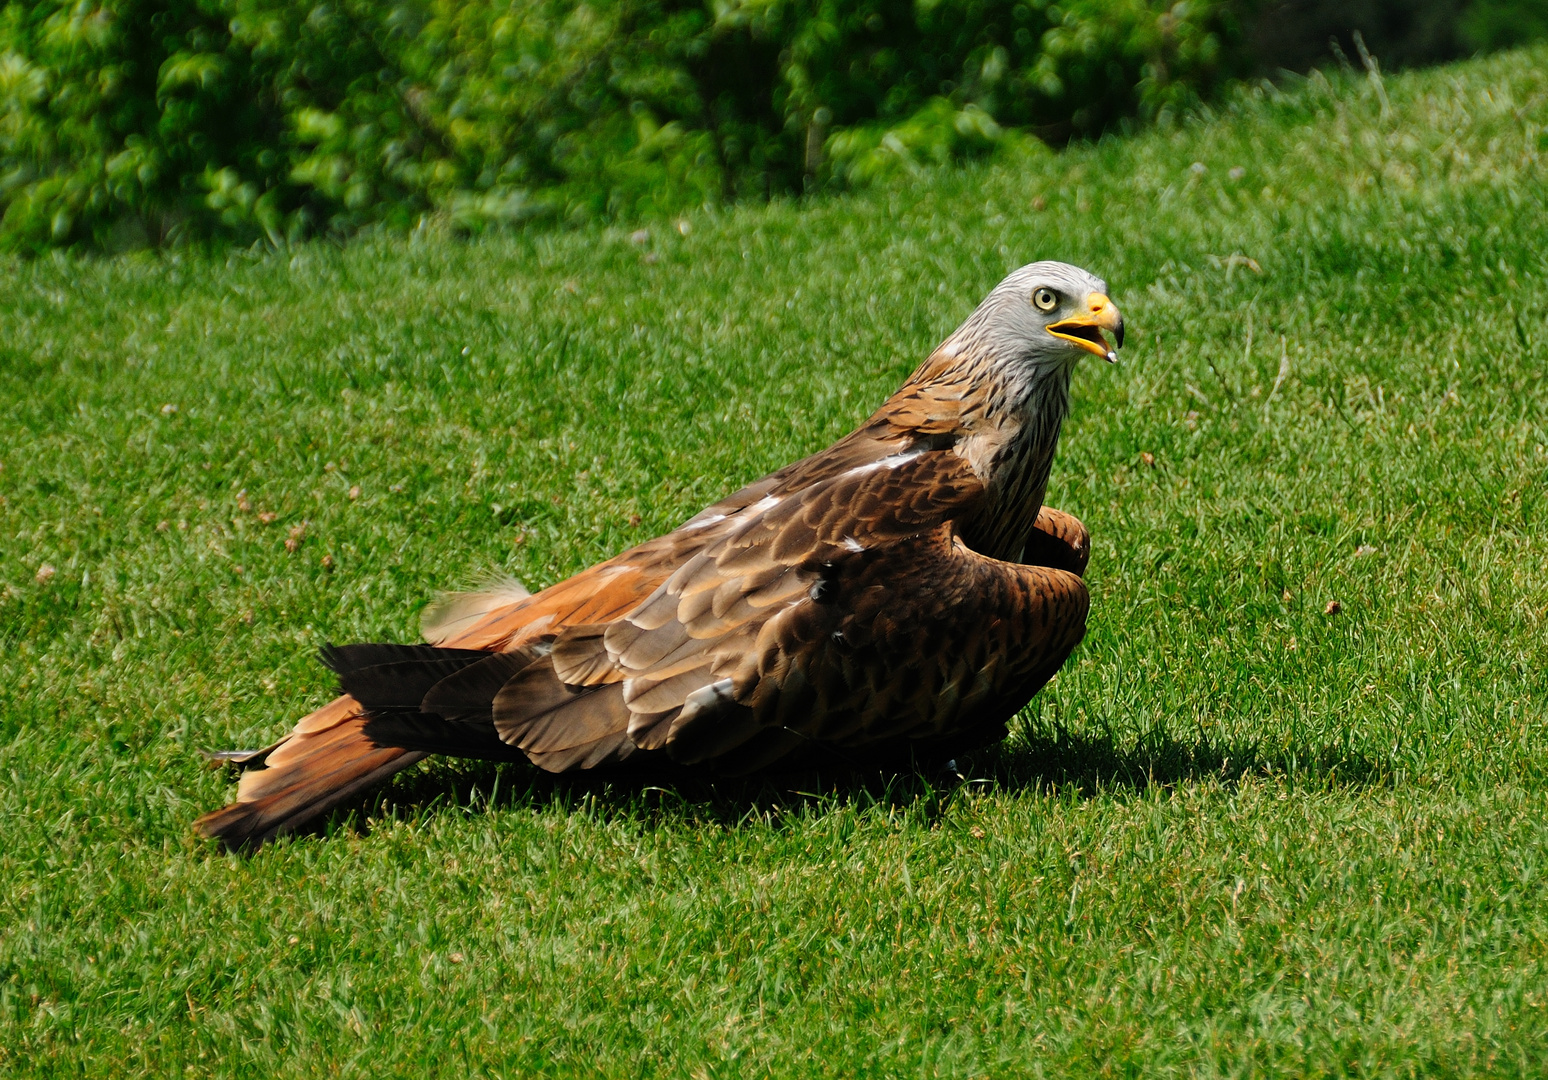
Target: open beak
(1085,327)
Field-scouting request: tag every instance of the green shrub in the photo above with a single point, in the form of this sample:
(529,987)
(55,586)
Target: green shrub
(126,121)
(937,133)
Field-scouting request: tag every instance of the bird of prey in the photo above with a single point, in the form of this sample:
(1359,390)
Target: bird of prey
(903,592)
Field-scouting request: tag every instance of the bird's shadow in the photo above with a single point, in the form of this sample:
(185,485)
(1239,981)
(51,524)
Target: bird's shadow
(1039,757)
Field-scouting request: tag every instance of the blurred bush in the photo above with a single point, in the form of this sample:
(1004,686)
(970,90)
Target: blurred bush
(131,122)
(125,122)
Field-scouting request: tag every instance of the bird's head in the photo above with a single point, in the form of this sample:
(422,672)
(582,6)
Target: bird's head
(1049,314)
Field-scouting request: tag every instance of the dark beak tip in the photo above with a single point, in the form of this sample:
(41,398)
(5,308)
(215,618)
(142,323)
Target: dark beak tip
(1118,333)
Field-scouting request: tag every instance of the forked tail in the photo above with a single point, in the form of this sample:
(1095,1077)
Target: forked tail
(324,761)
(375,728)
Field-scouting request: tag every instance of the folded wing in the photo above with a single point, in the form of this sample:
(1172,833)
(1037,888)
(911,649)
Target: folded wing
(844,613)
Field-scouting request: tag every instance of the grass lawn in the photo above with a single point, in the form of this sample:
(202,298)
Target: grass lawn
(1238,835)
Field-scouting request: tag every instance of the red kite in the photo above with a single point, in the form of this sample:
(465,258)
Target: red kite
(904,590)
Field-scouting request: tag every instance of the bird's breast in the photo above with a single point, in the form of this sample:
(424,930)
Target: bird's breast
(1015,473)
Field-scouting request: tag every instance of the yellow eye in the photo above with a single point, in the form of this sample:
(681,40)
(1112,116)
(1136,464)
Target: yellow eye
(1045,299)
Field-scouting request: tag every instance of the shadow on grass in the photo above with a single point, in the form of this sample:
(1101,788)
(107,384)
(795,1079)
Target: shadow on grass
(1040,758)
(1054,757)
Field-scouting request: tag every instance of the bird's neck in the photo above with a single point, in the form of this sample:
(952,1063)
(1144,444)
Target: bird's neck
(1008,430)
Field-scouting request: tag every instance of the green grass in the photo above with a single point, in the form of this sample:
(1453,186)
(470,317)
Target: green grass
(1236,835)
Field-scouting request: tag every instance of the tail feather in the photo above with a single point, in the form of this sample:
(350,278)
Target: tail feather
(399,703)
(305,775)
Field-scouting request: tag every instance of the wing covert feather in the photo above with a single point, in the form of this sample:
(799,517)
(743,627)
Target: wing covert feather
(830,602)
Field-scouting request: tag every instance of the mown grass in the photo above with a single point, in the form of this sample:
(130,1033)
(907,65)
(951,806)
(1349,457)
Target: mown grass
(1238,835)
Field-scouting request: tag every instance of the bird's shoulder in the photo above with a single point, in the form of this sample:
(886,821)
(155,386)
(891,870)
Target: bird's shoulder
(899,474)
(914,440)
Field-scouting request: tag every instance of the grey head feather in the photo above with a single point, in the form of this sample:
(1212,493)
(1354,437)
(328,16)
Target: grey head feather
(1008,329)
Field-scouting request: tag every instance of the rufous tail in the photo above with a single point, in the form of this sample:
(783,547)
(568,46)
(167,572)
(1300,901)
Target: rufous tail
(324,761)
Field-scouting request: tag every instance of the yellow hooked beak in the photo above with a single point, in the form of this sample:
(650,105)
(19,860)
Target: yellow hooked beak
(1085,327)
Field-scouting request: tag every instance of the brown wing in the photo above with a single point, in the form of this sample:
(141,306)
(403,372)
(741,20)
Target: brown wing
(921,416)
(841,611)
(928,640)
(610,589)
(1059,540)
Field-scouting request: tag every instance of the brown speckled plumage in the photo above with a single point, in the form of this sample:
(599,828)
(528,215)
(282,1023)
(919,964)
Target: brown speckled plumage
(903,591)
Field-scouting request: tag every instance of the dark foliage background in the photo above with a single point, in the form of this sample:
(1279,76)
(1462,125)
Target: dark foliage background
(127,122)
(1295,34)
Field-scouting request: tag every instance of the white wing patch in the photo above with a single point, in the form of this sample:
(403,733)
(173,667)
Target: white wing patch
(891,461)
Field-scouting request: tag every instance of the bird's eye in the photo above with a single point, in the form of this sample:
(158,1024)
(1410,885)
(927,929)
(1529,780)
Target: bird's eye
(1045,299)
